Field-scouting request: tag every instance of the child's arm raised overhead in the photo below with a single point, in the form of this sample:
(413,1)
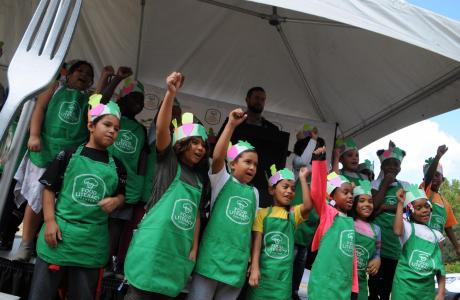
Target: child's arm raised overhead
(174,82)
(103,81)
(434,164)
(109,88)
(398,226)
(335,160)
(307,205)
(52,232)
(319,180)
(235,118)
(34,143)
(254,276)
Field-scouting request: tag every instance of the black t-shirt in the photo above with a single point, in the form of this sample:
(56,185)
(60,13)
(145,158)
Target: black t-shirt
(54,174)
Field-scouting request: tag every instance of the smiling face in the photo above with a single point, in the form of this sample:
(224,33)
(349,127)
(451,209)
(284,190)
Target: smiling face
(364,206)
(283,192)
(244,167)
(350,160)
(104,131)
(343,197)
(436,181)
(195,151)
(81,77)
(421,211)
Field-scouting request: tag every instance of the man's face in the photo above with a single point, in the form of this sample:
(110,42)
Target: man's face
(256,102)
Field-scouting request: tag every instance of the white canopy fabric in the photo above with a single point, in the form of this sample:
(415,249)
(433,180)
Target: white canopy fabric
(372,66)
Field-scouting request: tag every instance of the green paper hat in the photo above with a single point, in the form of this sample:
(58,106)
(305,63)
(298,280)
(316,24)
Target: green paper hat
(334,181)
(277,176)
(97,109)
(363,188)
(188,129)
(128,86)
(234,151)
(345,145)
(366,165)
(391,152)
(413,193)
(427,165)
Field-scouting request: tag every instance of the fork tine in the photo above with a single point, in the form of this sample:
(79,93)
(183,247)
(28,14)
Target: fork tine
(25,42)
(56,28)
(44,26)
(61,52)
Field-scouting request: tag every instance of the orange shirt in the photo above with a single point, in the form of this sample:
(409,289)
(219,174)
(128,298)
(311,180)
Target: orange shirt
(435,197)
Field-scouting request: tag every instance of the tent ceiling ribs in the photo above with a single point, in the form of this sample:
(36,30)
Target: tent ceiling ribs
(406,102)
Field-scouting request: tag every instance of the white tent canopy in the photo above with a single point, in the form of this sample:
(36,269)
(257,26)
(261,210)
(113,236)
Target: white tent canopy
(372,66)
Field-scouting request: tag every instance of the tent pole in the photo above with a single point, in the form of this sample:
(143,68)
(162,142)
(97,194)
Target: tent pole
(139,40)
(296,63)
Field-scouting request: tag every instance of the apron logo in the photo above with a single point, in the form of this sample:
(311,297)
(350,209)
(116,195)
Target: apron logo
(347,242)
(88,189)
(126,141)
(69,112)
(184,214)
(237,210)
(363,257)
(276,245)
(421,262)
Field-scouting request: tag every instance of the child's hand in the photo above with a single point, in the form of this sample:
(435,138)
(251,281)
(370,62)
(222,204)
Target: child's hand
(401,195)
(442,150)
(304,172)
(107,71)
(109,204)
(373,266)
(236,117)
(124,72)
(192,255)
(174,82)
(52,233)
(440,296)
(320,150)
(34,143)
(389,178)
(336,153)
(254,278)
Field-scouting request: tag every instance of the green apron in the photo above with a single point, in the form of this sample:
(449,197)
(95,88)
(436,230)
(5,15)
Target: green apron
(158,256)
(64,125)
(419,262)
(225,247)
(391,247)
(83,224)
(127,148)
(147,189)
(276,259)
(332,272)
(353,177)
(306,230)
(365,251)
(438,215)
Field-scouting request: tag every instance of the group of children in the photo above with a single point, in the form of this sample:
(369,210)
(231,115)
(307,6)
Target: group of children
(360,229)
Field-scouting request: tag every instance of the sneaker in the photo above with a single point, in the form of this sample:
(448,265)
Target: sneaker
(24,252)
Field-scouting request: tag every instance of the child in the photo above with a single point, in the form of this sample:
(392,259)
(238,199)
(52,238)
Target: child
(346,152)
(442,217)
(421,257)
(58,122)
(222,263)
(334,272)
(384,190)
(273,237)
(367,168)
(367,236)
(163,250)
(89,184)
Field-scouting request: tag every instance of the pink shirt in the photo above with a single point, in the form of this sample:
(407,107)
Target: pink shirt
(326,212)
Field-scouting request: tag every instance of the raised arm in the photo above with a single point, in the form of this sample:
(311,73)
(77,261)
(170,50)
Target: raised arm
(307,205)
(398,226)
(103,81)
(335,160)
(109,88)
(235,118)
(428,177)
(319,180)
(174,82)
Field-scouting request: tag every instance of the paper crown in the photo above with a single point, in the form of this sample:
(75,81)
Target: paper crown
(391,152)
(188,128)
(334,181)
(127,86)
(366,165)
(97,109)
(277,176)
(413,193)
(345,145)
(363,188)
(306,131)
(234,150)
(427,165)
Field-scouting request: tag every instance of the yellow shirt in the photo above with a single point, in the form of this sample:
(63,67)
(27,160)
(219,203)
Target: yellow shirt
(277,212)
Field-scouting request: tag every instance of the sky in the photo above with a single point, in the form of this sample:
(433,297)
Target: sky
(442,129)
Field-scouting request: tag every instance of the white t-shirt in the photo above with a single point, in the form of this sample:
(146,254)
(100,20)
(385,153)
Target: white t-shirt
(218,181)
(376,183)
(421,231)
